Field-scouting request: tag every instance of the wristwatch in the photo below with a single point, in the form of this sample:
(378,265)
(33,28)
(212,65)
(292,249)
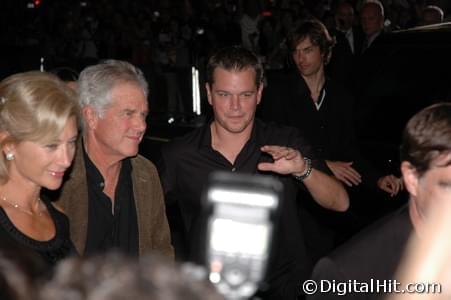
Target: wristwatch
(307,171)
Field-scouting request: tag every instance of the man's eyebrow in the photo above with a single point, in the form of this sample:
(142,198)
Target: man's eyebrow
(305,48)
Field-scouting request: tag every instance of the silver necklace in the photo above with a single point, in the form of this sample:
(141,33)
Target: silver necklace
(18,207)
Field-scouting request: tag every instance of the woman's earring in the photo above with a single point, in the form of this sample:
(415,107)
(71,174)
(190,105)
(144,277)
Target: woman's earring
(9,156)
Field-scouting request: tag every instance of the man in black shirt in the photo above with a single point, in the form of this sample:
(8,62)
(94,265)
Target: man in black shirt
(113,197)
(322,110)
(235,141)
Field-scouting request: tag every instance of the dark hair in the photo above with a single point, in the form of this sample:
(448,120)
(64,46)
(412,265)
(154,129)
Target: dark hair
(427,137)
(318,34)
(65,73)
(234,58)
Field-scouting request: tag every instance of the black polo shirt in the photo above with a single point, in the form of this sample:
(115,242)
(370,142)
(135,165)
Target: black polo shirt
(108,230)
(184,166)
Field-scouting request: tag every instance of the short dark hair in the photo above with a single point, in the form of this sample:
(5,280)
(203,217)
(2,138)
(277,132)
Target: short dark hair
(427,137)
(234,58)
(318,34)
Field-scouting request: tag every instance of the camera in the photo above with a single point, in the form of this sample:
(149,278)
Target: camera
(240,214)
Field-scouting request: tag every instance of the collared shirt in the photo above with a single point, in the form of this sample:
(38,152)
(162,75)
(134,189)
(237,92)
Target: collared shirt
(349,34)
(108,230)
(373,37)
(186,163)
(321,98)
(329,129)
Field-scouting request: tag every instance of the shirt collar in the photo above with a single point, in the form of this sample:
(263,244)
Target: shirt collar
(373,37)
(205,137)
(93,174)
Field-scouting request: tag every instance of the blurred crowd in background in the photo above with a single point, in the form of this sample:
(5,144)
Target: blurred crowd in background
(166,34)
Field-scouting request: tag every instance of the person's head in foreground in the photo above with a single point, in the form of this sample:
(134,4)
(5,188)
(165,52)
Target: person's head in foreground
(117,277)
(426,160)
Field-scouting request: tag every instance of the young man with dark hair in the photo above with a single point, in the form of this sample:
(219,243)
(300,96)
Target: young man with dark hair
(235,141)
(322,110)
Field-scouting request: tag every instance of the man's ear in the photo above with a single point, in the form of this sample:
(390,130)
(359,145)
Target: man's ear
(260,92)
(207,88)
(90,117)
(410,177)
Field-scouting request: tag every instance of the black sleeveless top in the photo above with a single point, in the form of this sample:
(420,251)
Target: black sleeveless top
(51,251)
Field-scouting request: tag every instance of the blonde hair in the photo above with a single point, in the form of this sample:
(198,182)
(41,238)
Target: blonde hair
(34,106)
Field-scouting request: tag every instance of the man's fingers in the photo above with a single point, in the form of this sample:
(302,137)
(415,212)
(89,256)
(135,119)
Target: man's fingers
(397,184)
(278,152)
(391,184)
(344,180)
(265,166)
(355,173)
(292,154)
(352,175)
(387,189)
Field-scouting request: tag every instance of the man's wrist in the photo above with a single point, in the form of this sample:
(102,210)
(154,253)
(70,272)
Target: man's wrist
(307,170)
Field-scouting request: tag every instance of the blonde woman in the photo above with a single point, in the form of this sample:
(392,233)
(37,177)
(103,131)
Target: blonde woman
(38,133)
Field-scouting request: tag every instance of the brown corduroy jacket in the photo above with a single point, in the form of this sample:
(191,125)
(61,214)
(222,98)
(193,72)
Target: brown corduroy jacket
(153,229)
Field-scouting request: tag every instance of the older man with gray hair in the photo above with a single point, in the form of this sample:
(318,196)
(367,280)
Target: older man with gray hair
(113,196)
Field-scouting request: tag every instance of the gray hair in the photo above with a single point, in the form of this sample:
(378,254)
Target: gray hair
(96,82)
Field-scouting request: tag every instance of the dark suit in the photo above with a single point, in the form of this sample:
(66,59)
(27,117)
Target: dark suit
(343,59)
(375,253)
(371,81)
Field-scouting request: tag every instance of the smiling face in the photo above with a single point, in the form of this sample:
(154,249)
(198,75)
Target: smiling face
(43,164)
(234,97)
(308,58)
(118,133)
